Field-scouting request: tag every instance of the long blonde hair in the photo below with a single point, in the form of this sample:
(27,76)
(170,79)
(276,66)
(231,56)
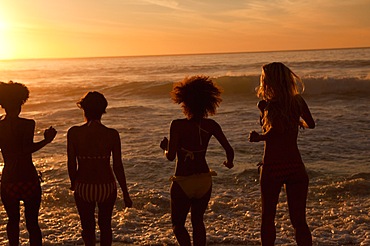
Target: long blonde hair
(279,87)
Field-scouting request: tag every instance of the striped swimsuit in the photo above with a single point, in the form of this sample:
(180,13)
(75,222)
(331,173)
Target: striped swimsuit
(95,192)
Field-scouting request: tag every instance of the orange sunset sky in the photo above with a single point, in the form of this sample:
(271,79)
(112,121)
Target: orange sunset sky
(93,28)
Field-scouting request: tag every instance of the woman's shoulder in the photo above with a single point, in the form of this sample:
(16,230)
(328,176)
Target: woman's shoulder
(27,122)
(210,125)
(74,130)
(209,121)
(178,122)
(112,131)
(299,99)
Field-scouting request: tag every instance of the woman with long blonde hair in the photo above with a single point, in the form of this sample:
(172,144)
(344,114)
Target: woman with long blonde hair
(283,111)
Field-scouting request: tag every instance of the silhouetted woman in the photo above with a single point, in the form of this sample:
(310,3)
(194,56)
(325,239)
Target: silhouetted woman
(192,184)
(19,180)
(281,108)
(89,148)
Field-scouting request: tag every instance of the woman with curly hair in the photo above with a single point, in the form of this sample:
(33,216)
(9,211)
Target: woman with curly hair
(90,147)
(282,108)
(19,180)
(192,183)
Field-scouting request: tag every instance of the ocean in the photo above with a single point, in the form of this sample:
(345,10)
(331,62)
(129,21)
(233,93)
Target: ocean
(336,153)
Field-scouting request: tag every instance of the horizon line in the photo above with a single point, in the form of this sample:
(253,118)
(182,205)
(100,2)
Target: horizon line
(179,54)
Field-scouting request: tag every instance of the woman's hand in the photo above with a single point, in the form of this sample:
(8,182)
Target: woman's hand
(73,186)
(229,165)
(254,136)
(128,202)
(49,134)
(262,105)
(164,143)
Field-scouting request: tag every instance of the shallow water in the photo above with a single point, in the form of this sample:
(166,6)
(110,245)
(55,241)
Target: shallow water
(336,153)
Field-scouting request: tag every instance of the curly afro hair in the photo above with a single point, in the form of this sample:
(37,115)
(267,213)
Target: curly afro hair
(198,96)
(13,94)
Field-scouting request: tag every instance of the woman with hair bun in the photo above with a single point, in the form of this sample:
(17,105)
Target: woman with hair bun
(19,180)
(189,137)
(89,148)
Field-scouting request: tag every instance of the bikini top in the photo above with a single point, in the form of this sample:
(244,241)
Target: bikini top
(98,157)
(190,153)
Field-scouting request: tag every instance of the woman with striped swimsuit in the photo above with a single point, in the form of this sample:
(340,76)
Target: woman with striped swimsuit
(89,148)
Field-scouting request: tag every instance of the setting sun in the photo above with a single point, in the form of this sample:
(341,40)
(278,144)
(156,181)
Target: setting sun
(144,95)
(5,48)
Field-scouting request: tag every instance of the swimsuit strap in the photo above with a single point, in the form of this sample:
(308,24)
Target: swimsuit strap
(190,153)
(92,121)
(200,129)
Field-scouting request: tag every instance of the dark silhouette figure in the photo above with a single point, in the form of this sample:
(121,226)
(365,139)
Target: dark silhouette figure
(19,179)
(282,109)
(89,148)
(192,184)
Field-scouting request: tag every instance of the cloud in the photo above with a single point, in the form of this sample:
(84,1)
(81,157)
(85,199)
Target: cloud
(170,4)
